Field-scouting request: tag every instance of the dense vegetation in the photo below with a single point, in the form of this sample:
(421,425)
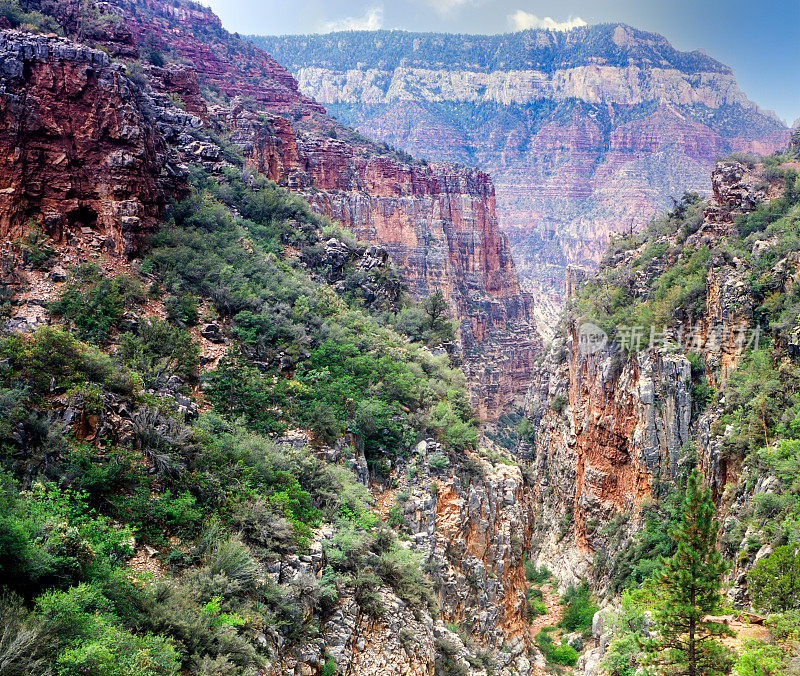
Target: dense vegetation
(755,417)
(306,356)
(221,501)
(676,272)
(18,17)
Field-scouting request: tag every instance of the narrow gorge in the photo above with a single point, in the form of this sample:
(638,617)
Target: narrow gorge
(278,398)
(586,133)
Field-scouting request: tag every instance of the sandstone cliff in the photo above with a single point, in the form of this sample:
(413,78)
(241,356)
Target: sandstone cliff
(80,146)
(438,222)
(585,133)
(439,226)
(614,428)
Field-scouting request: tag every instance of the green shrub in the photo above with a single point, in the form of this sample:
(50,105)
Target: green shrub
(579,608)
(13,409)
(95,303)
(758,658)
(535,575)
(556,653)
(182,308)
(18,18)
(329,668)
(159,350)
(438,461)
(774,582)
(50,537)
(559,403)
(25,639)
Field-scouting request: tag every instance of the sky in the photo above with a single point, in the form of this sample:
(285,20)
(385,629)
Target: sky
(759,40)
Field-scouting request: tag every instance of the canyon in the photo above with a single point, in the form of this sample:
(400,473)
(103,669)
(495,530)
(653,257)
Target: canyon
(424,558)
(438,222)
(586,133)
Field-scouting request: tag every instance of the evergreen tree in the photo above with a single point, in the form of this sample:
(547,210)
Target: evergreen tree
(684,642)
(775,581)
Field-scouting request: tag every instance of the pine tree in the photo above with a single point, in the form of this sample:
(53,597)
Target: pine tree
(685,643)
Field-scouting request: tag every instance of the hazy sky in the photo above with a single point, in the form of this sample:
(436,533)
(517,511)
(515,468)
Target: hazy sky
(759,40)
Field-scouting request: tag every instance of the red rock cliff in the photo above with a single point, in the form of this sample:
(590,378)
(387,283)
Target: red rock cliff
(78,148)
(438,222)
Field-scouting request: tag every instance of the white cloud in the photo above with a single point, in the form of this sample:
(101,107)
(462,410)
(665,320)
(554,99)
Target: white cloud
(371,21)
(445,7)
(522,20)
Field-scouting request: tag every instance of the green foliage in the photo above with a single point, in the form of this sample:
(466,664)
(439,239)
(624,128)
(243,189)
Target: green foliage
(774,582)
(688,584)
(559,403)
(18,18)
(24,639)
(50,359)
(95,303)
(534,574)
(12,410)
(556,653)
(329,668)
(634,560)
(154,57)
(36,246)
(535,605)
(50,537)
(182,308)
(676,278)
(579,608)
(758,658)
(213,610)
(157,351)
(623,655)
(348,371)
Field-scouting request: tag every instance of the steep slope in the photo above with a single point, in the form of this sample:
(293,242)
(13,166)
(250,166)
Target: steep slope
(437,222)
(79,146)
(681,351)
(229,544)
(586,133)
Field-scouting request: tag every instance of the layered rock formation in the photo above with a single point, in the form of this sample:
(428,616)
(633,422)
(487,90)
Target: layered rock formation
(614,427)
(470,528)
(80,147)
(438,222)
(439,226)
(585,133)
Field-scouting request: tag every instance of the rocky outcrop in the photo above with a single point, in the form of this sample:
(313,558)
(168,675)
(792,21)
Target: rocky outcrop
(586,133)
(181,83)
(469,524)
(613,425)
(437,223)
(80,146)
(609,426)
(230,66)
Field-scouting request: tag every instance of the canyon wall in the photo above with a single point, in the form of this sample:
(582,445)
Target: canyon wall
(437,221)
(470,525)
(80,147)
(585,133)
(615,428)
(439,226)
